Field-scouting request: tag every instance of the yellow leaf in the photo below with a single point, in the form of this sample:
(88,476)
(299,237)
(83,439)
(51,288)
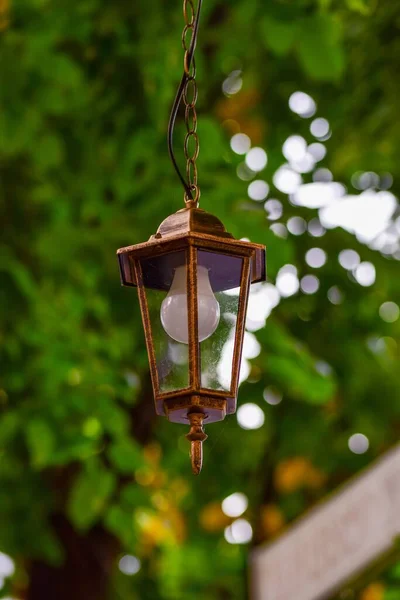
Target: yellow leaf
(152,453)
(272,519)
(238,105)
(375,591)
(290,474)
(4,7)
(314,477)
(297,472)
(212,518)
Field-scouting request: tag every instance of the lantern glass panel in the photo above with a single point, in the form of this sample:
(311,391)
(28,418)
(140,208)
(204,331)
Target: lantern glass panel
(165,280)
(217,351)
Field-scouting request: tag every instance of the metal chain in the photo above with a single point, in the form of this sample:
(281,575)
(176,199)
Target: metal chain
(191,143)
(187,92)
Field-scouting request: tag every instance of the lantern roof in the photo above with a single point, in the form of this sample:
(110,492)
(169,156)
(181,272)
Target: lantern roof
(191,226)
(191,220)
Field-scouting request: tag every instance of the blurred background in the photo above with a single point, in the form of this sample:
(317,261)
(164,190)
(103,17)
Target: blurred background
(300,139)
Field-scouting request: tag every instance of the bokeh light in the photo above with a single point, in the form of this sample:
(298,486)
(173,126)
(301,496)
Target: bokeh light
(262,300)
(235,504)
(309,284)
(251,345)
(132,379)
(323,368)
(317,151)
(315,257)
(240,143)
(240,532)
(258,190)
(287,284)
(318,194)
(304,164)
(389,312)
(335,295)
(244,173)
(358,443)
(365,274)
(233,83)
(7,567)
(296,225)
(286,180)
(382,345)
(366,215)
(323,175)
(349,259)
(315,228)
(302,104)
(279,230)
(274,209)
(272,396)
(129,565)
(365,181)
(250,416)
(256,159)
(319,128)
(294,148)
(288,269)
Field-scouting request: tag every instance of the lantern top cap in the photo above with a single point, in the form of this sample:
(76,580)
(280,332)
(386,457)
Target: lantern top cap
(191,226)
(191,220)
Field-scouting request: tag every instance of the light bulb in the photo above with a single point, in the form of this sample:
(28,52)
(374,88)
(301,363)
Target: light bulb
(174,312)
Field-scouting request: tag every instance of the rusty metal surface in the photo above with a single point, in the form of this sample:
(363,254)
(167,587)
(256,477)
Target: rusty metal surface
(196,437)
(193,220)
(178,407)
(144,309)
(194,346)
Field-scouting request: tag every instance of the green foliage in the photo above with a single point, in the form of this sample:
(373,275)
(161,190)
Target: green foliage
(280,36)
(90,494)
(125,455)
(41,442)
(84,101)
(291,367)
(320,49)
(316,39)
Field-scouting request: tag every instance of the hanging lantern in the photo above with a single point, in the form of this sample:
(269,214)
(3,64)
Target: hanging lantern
(193,282)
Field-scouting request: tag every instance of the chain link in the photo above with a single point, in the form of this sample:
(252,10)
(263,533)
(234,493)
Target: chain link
(191,143)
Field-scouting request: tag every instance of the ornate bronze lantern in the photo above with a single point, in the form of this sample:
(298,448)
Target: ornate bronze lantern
(193,282)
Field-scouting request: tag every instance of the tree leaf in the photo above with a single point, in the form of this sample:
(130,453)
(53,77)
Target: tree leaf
(319,48)
(41,442)
(90,494)
(364,7)
(280,35)
(125,455)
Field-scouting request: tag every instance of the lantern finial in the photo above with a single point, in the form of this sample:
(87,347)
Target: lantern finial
(196,436)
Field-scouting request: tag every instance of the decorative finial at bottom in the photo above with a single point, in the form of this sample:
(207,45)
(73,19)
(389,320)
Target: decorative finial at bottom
(196,436)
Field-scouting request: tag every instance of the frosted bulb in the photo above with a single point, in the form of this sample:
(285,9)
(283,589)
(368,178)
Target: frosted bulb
(174,313)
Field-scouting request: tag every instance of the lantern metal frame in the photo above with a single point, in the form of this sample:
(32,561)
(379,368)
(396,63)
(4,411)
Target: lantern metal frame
(189,230)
